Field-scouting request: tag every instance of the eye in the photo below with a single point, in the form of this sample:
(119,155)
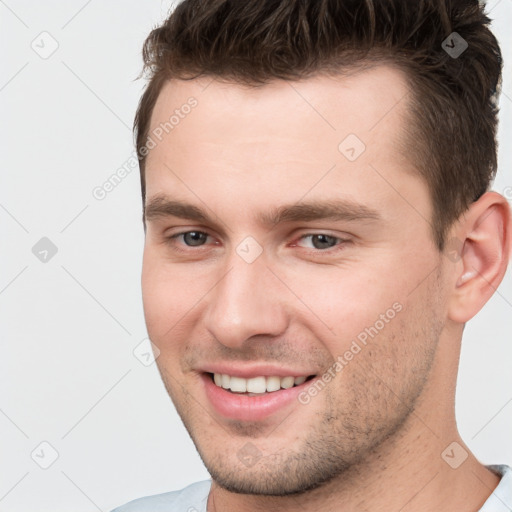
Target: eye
(191,238)
(317,241)
(321,241)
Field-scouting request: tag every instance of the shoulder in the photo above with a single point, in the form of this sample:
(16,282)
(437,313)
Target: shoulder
(190,499)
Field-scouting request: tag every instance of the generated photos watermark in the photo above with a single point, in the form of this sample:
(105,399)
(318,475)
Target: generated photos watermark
(156,136)
(357,345)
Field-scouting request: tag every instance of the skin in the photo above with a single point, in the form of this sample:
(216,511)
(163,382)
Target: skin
(372,439)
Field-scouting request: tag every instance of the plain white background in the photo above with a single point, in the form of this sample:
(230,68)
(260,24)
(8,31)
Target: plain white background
(69,326)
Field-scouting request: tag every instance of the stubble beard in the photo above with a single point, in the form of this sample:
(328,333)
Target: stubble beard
(348,432)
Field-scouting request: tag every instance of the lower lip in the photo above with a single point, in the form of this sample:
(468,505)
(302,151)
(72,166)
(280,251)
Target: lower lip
(250,408)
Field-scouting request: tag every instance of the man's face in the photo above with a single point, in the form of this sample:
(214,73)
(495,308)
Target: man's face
(347,274)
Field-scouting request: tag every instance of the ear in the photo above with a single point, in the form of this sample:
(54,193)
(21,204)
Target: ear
(480,248)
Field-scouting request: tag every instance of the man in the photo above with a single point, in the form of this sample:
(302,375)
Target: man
(319,229)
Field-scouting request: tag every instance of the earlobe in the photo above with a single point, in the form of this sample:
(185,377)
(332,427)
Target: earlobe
(484,234)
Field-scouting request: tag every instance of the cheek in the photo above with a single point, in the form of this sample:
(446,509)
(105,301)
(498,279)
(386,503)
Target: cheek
(165,296)
(346,303)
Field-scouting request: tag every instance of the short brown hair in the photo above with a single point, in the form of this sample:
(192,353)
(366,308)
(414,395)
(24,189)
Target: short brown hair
(452,136)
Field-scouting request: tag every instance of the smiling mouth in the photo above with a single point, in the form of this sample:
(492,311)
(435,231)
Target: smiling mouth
(257,386)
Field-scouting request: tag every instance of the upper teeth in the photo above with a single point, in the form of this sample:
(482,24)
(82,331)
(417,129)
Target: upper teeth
(256,384)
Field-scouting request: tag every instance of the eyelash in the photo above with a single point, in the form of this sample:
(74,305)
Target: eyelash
(338,246)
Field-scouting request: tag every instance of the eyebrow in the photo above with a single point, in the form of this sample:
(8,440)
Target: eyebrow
(302,211)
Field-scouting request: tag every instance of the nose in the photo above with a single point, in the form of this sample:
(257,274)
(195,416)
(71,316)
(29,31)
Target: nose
(245,303)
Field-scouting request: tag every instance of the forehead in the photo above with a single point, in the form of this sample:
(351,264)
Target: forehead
(357,101)
(365,102)
(279,141)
